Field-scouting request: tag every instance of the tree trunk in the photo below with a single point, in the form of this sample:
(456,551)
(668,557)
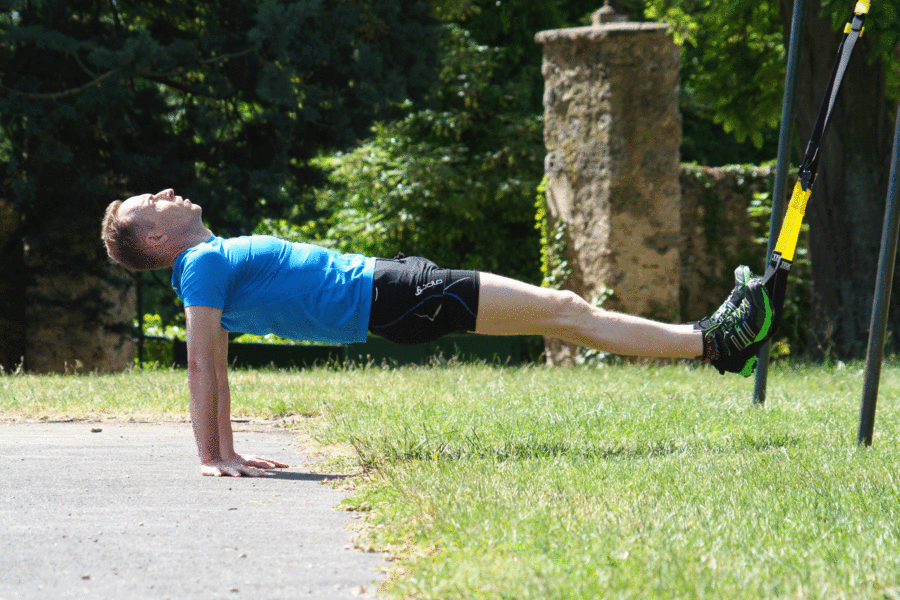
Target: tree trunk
(846,210)
(12,289)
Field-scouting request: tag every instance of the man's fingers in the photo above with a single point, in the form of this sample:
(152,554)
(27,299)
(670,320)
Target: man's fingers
(265,463)
(253,472)
(245,471)
(245,466)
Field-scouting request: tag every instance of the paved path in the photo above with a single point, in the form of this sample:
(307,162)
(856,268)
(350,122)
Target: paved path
(124,513)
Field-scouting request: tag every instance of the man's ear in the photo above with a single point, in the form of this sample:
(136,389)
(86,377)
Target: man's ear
(155,239)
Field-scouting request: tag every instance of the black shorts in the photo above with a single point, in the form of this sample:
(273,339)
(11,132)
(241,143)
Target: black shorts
(414,301)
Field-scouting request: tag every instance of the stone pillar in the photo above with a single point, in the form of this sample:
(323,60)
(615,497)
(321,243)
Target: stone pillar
(80,307)
(612,132)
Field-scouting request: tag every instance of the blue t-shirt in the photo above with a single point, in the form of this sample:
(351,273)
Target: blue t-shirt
(266,285)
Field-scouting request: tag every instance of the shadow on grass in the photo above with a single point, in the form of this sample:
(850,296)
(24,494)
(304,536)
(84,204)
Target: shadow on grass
(291,476)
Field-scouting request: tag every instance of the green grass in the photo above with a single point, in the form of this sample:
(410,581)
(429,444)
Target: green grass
(619,482)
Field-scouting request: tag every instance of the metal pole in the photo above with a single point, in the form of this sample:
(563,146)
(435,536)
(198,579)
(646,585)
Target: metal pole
(878,328)
(798,20)
(139,308)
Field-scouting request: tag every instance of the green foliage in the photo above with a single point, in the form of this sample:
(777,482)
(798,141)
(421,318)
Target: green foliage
(452,181)
(554,265)
(452,177)
(224,101)
(882,31)
(454,10)
(154,326)
(158,337)
(542,224)
(269,338)
(733,60)
(512,24)
(705,142)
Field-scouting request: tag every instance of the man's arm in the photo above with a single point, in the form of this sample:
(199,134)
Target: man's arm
(204,344)
(211,397)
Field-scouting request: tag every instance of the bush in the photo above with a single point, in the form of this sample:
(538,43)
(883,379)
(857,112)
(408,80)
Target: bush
(453,181)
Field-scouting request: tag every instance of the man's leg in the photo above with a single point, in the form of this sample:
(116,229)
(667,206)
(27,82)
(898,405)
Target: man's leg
(510,307)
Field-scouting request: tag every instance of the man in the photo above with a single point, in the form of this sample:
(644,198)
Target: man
(260,284)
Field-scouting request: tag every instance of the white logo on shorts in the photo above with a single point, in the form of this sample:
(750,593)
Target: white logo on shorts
(430,284)
(434,316)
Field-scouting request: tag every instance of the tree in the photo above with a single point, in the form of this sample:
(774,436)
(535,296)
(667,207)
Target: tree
(225,101)
(454,178)
(846,210)
(740,47)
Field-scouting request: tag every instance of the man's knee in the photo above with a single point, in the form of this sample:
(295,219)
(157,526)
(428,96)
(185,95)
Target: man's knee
(571,304)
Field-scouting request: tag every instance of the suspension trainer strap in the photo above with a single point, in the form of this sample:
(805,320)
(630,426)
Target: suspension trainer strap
(852,32)
(782,257)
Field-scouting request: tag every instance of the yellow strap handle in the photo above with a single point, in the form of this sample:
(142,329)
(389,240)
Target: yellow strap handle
(790,229)
(861,8)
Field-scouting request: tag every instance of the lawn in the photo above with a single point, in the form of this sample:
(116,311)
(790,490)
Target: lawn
(616,482)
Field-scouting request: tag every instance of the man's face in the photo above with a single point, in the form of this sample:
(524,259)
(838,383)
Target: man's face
(161,211)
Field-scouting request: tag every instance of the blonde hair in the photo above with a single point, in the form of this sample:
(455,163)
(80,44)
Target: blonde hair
(122,238)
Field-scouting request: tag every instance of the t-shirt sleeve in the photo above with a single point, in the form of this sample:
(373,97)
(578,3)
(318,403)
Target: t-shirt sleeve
(205,279)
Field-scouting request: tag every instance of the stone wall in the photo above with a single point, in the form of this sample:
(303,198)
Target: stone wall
(718,233)
(79,307)
(66,331)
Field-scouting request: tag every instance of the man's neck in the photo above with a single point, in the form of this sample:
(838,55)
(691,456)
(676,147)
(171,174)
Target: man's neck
(198,237)
(186,241)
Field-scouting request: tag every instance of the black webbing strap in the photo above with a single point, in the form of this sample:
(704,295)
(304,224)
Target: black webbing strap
(775,281)
(775,278)
(852,32)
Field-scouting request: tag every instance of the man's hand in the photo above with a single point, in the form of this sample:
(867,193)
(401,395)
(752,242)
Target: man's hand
(240,466)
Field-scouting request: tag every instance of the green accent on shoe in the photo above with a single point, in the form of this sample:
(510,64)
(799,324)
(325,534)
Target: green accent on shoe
(747,371)
(764,330)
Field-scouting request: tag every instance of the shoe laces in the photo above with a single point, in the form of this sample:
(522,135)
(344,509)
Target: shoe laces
(740,326)
(742,278)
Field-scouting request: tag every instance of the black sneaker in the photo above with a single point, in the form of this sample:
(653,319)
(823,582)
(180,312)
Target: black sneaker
(733,343)
(742,277)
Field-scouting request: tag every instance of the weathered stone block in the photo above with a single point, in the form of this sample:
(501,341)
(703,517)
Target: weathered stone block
(612,132)
(76,318)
